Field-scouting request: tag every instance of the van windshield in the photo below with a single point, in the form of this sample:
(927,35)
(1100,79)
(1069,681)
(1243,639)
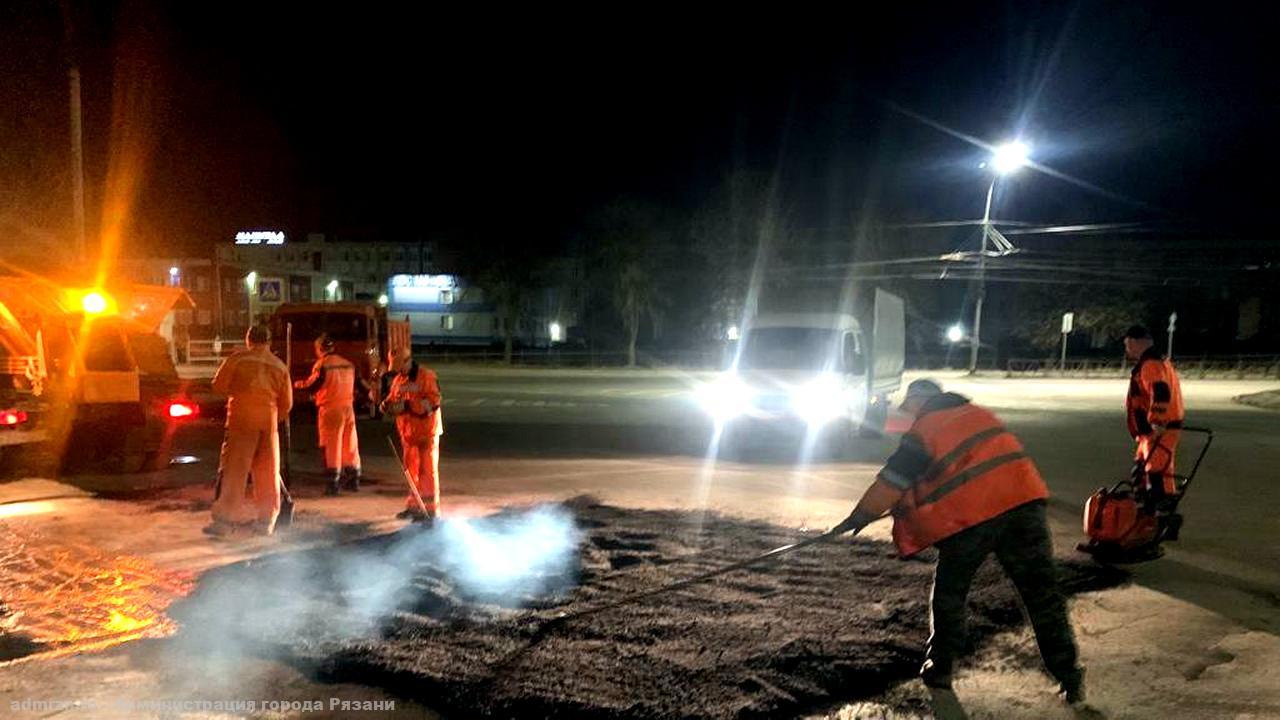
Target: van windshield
(787,348)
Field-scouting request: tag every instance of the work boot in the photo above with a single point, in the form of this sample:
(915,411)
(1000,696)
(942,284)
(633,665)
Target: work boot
(414,515)
(219,529)
(332,488)
(945,704)
(352,481)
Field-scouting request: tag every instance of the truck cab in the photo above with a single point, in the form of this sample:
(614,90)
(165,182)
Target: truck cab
(812,373)
(362,332)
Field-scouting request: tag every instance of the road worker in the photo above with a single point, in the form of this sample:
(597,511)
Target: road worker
(334,382)
(414,400)
(961,481)
(256,384)
(1154,412)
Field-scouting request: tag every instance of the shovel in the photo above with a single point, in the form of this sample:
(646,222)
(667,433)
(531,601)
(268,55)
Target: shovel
(285,518)
(550,625)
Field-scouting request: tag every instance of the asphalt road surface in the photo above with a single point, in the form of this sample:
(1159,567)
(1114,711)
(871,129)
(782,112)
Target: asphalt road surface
(640,438)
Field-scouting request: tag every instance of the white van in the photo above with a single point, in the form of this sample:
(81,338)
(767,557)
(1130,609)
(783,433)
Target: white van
(813,372)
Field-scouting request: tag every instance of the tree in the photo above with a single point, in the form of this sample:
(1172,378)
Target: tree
(1104,312)
(507,277)
(628,244)
(734,232)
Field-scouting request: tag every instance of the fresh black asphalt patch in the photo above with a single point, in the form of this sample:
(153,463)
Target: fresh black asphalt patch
(833,623)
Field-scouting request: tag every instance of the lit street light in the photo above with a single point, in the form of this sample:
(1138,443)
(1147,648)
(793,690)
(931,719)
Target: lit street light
(251,280)
(1005,159)
(955,333)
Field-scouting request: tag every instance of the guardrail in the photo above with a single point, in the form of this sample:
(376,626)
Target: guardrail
(1206,366)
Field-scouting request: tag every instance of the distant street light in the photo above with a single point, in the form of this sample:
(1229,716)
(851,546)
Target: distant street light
(557,333)
(383,300)
(332,289)
(1005,159)
(955,333)
(251,280)
(733,333)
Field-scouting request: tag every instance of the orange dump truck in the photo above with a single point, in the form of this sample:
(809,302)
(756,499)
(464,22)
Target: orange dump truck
(363,333)
(87,368)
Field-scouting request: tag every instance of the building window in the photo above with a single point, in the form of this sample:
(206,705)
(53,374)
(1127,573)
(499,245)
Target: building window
(446,322)
(446,297)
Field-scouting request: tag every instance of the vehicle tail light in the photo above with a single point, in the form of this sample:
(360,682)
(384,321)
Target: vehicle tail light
(12,418)
(183,409)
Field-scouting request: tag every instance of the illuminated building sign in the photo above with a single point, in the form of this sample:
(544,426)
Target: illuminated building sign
(423,289)
(443,282)
(260,237)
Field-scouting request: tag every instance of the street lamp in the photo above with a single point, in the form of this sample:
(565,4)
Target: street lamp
(1005,160)
(251,280)
(332,289)
(955,333)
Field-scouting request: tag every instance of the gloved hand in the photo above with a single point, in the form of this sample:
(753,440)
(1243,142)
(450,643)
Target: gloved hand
(855,522)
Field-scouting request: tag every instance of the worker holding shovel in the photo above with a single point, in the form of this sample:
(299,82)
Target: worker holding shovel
(414,400)
(961,481)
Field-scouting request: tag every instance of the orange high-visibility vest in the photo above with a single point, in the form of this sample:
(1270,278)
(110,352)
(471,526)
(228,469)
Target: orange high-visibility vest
(339,384)
(1155,396)
(421,419)
(979,471)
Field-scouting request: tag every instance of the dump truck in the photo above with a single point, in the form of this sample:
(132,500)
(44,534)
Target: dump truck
(86,369)
(812,372)
(363,332)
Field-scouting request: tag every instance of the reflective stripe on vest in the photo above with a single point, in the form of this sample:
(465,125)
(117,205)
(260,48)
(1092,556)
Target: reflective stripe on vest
(980,470)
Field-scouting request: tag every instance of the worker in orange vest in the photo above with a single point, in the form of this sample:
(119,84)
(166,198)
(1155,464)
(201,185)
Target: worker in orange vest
(1154,413)
(334,382)
(414,400)
(961,481)
(256,384)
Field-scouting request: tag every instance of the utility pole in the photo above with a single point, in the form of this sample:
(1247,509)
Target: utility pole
(77,164)
(975,339)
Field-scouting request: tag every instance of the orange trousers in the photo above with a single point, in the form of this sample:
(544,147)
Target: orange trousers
(246,451)
(1156,454)
(336,425)
(422,460)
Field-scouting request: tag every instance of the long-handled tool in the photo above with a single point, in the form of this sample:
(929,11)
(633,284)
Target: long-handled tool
(285,519)
(552,624)
(408,478)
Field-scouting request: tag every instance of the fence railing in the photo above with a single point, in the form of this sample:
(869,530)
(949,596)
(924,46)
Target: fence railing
(572,358)
(199,352)
(1206,366)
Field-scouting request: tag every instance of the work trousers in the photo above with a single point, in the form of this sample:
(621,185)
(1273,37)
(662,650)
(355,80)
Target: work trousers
(422,460)
(338,440)
(1155,457)
(1021,543)
(246,451)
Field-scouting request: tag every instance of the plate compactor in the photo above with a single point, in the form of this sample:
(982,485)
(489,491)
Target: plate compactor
(1121,527)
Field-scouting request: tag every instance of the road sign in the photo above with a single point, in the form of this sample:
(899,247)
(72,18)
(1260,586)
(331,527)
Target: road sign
(270,290)
(1068,322)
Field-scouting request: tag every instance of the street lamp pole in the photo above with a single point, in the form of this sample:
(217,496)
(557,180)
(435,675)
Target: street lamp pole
(1005,159)
(975,339)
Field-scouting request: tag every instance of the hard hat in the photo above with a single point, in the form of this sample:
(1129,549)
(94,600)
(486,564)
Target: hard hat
(397,358)
(325,343)
(922,389)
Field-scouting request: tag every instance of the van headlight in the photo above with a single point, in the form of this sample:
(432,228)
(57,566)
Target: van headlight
(725,398)
(820,402)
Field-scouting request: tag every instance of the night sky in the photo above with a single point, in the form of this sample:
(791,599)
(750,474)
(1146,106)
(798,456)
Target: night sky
(380,120)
